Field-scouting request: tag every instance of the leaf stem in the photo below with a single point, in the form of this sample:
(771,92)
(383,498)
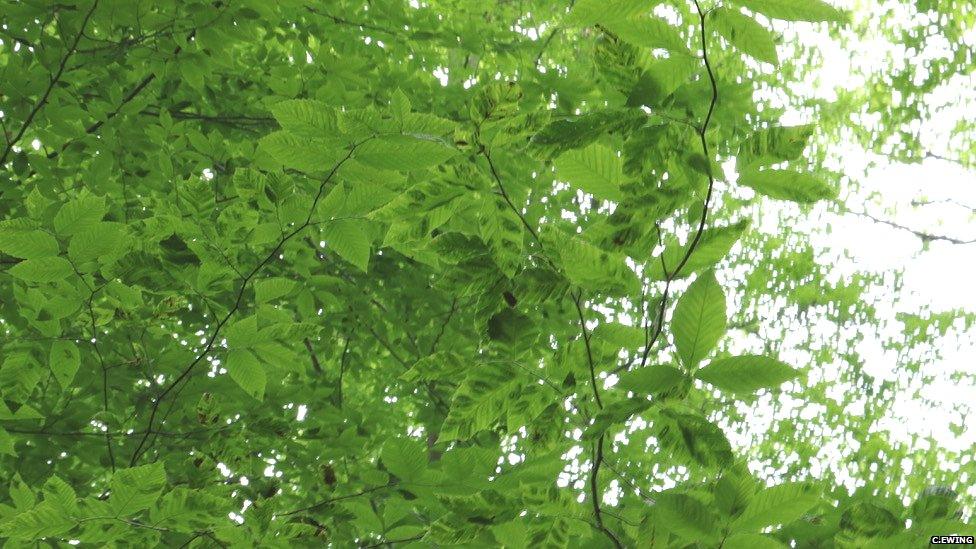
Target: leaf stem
(702,132)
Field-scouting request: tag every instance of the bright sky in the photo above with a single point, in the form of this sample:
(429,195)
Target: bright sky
(938,277)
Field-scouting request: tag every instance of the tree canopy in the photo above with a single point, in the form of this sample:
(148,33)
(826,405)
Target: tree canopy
(375,273)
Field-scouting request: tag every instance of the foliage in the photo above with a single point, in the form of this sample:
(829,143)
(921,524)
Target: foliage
(412,273)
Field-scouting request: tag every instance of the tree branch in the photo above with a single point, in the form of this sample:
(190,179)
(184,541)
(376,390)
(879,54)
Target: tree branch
(702,132)
(338,498)
(925,237)
(238,300)
(50,87)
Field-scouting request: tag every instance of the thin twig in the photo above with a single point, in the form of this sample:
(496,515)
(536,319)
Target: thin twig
(237,302)
(501,188)
(450,315)
(671,276)
(311,353)
(332,500)
(50,87)
(925,237)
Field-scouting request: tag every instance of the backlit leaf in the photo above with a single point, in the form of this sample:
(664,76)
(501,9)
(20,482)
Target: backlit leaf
(699,319)
(787,185)
(746,374)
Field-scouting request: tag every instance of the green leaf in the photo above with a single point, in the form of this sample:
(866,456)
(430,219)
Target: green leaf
(595,169)
(712,247)
(269,289)
(650,380)
(404,152)
(688,435)
(64,361)
(734,491)
(307,118)
(647,32)
(101,239)
(589,12)
(21,494)
(405,458)
(502,230)
(752,541)
(780,504)
(662,78)
(135,489)
(592,268)
(867,519)
(699,319)
(60,494)
(613,414)
(7,446)
(511,534)
(573,133)
(18,377)
(746,34)
(479,402)
(27,244)
(80,214)
(245,369)
(746,374)
(186,510)
(686,516)
(794,10)
(43,269)
(348,238)
(774,145)
(302,153)
(45,520)
(787,185)
(619,335)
